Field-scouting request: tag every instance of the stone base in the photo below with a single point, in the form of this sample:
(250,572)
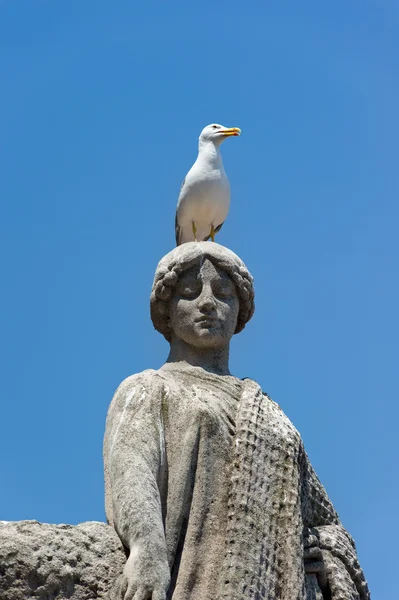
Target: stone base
(39,561)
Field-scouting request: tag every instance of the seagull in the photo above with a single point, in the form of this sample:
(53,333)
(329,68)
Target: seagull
(204,198)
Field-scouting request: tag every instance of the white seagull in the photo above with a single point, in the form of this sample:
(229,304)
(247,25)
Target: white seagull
(205,193)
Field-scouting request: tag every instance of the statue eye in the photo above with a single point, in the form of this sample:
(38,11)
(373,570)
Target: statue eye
(223,291)
(189,291)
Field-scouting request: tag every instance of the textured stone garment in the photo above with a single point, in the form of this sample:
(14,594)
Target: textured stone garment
(227,470)
(275,499)
(185,422)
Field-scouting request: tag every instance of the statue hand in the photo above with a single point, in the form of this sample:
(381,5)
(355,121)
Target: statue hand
(146,575)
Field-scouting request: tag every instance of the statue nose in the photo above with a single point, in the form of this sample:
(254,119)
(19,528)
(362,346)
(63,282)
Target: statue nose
(207,300)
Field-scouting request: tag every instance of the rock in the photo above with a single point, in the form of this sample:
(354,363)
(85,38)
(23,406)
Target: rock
(45,562)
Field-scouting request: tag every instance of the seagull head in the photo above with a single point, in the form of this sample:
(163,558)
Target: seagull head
(216,133)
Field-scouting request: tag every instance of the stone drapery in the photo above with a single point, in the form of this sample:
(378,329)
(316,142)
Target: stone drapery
(227,472)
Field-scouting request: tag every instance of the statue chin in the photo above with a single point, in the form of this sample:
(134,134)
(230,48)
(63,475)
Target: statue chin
(203,337)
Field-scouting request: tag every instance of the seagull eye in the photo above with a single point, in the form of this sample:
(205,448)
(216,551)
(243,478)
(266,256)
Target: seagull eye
(214,127)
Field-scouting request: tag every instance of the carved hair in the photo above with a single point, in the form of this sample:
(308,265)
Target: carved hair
(185,257)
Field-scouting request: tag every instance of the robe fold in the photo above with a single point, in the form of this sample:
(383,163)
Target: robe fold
(224,478)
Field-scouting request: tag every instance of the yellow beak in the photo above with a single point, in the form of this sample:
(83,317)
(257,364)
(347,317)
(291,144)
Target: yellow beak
(228,131)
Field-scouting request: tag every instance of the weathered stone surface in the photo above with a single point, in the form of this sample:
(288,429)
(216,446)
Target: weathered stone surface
(47,562)
(207,480)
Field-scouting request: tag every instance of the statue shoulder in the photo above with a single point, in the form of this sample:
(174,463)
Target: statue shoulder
(280,414)
(142,378)
(255,392)
(273,402)
(134,389)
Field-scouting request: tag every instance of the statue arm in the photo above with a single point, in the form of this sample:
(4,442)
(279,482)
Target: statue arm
(133,456)
(330,551)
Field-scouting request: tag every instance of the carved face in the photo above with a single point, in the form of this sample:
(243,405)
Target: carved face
(204,309)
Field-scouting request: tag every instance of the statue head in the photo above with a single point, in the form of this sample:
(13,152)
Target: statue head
(202,291)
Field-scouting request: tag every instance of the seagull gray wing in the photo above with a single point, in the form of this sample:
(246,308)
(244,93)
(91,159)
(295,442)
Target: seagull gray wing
(177,227)
(177,231)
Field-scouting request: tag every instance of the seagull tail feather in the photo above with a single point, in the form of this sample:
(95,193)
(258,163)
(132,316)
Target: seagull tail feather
(178,232)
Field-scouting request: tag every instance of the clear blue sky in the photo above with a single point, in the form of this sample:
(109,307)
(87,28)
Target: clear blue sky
(101,107)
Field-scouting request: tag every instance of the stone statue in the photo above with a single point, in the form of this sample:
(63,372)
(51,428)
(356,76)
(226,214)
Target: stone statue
(207,481)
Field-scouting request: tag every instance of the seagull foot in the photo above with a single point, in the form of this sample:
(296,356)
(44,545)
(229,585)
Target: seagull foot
(212,234)
(194,231)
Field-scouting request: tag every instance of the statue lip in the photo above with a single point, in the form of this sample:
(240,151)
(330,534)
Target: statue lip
(206,320)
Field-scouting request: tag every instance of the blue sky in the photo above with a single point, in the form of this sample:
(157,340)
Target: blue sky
(101,106)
